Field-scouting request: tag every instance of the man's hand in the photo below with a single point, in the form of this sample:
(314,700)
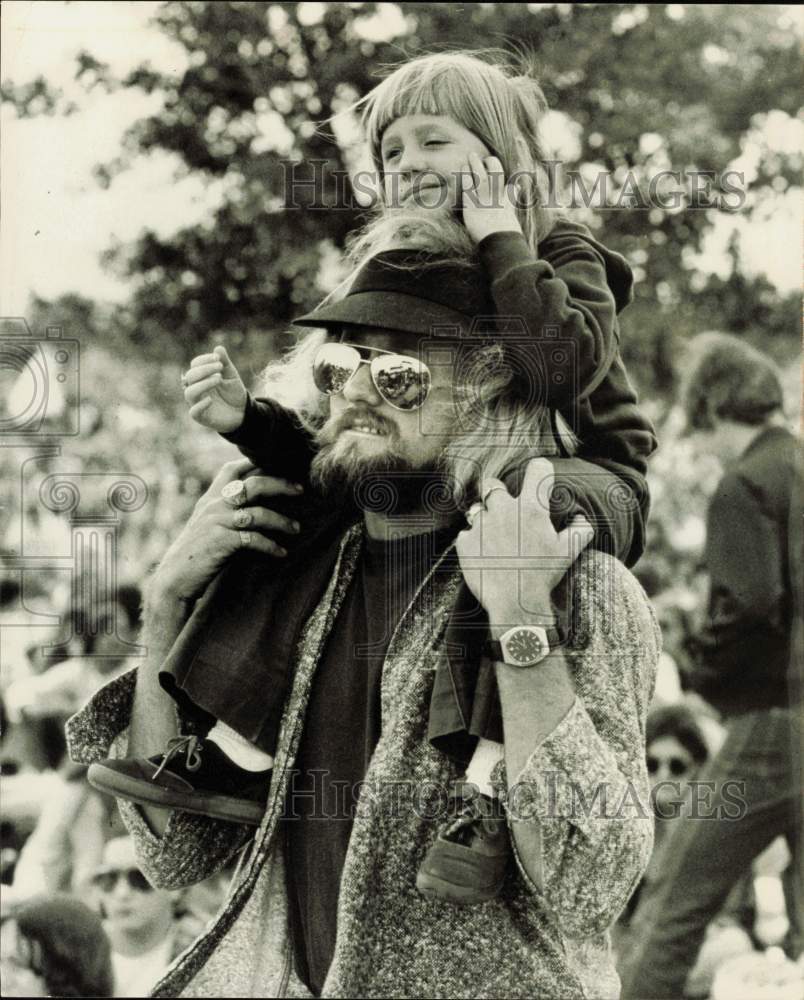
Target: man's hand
(489,202)
(512,557)
(215,392)
(215,531)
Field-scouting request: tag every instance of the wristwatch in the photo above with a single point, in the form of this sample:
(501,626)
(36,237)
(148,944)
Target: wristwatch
(525,645)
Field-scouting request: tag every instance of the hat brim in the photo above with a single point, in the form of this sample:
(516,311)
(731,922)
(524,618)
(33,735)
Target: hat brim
(388,311)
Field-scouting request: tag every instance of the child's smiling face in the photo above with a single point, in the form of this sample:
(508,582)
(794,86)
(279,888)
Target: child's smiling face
(423,158)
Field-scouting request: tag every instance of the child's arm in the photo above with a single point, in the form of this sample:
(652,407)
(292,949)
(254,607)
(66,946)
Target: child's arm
(272,437)
(562,296)
(264,432)
(564,305)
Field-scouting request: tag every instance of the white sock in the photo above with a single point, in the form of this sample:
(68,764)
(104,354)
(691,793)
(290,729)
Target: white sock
(484,760)
(238,749)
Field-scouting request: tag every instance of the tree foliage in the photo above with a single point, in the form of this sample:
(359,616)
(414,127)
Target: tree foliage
(647,86)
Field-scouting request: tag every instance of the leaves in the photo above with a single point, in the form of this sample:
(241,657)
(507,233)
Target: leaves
(649,87)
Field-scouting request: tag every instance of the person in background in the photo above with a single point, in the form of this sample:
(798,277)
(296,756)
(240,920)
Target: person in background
(676,750)
(71,821)
(141,922)
(54,947)
(88,663)
(67,842)
(744,666)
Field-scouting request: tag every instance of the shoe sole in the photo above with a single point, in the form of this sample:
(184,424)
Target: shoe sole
(438,888)
(140,791)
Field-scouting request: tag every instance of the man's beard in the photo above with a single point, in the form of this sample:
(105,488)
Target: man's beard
(386,483)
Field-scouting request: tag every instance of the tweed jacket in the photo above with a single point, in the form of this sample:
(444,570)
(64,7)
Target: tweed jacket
(585,784)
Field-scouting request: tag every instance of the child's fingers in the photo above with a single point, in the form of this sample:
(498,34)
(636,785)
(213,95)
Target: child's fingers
(200,372)
(477,166)
(204,359)
(496,178)
(194,392)
(493,165)
(229,370)
(198,408)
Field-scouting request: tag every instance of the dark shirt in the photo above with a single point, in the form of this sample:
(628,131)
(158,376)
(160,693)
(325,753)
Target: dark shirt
(341,729)
(742,655)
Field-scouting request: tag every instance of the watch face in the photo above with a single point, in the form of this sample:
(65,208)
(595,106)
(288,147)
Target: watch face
(524,647)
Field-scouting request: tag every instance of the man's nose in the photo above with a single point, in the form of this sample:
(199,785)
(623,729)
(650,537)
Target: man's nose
(360,388)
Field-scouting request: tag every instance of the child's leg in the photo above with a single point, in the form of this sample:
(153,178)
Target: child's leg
(485,758)
(238,749)
(221,775)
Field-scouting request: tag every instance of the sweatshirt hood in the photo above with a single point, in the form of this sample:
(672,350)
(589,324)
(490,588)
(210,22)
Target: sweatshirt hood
(565,237)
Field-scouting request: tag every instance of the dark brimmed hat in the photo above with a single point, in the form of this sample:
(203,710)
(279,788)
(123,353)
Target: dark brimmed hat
(412,292)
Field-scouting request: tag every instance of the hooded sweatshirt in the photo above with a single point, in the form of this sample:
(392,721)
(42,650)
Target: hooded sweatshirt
(570,297)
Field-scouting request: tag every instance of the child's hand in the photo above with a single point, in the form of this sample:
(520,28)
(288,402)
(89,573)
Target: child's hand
(488,201)
(215,392)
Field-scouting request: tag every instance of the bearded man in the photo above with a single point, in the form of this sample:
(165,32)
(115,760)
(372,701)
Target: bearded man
(325,901)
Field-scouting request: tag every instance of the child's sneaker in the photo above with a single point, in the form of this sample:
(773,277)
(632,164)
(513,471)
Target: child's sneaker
(189,776)
(468,861)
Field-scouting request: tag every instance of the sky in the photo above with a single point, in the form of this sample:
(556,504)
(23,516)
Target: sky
(56,221)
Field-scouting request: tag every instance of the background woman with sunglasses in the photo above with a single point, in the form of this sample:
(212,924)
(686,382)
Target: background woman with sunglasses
(677,749)
(142,923)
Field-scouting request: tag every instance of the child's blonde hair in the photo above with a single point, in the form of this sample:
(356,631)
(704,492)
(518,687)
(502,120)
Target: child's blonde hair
(488,95)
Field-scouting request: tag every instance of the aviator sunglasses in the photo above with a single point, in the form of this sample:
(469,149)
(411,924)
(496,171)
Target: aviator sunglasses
(107,880)
(402,381)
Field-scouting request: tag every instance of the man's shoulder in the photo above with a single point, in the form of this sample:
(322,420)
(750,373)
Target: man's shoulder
(771,460)
(609,603)
(765,474)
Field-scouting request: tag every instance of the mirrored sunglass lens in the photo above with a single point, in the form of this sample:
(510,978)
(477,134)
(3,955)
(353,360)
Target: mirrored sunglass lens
(333,366)
(401,381)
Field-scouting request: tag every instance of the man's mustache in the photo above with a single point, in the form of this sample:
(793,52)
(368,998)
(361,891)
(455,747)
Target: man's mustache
(332,429)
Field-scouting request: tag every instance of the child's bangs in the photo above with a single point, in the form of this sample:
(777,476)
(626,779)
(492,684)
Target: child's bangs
(417,90)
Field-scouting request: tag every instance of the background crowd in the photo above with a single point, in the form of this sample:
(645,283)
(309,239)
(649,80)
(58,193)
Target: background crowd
(638,88)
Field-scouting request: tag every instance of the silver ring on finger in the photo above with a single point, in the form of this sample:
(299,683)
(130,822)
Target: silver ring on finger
(492,489)
(245,538)
(242,518)
(473,511)
(234,494)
